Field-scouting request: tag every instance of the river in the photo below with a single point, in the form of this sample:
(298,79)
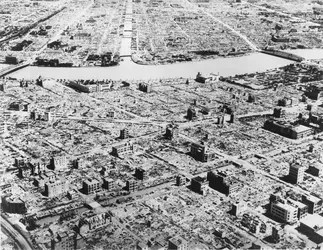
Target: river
(129,70)
(307,53)
(256,62)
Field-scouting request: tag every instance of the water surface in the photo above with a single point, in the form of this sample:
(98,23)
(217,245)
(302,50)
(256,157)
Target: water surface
(129,70)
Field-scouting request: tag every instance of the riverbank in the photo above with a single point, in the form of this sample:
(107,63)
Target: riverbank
(183,59)
(308,54)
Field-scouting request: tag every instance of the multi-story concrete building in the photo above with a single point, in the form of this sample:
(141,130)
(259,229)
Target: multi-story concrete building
(147,88)
(202,79)
(21,161)
(288,130)
(296,173)
(131,185)
(140,174)
(277,234)
(313,92)
(285,102)
(58,162)
(223,183)
(180,180)
(48,116)
(315,120)
(191,113)
(109,184)
(142,246)
(72,194)
(91,186)
(28,169)
(316,169)
(279,113)
(64,241)
(200,152)
(56,188)
(314,204)
(34,115)
(237,208)
(199,185)
(123,149)
(177,243)
(124,133)
(43,178)
(302,209)
(24,84)
(171,131)
(232,117)
(282,211)
(78,163)
(86,88)
(14,205)
(91,221)
(3,129)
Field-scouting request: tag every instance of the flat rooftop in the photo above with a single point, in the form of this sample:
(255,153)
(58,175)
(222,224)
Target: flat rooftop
(286,206)
(296,166)
(199,179)
(301,128)
(177,240)
(313,220)
(297,203)
(313,198)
